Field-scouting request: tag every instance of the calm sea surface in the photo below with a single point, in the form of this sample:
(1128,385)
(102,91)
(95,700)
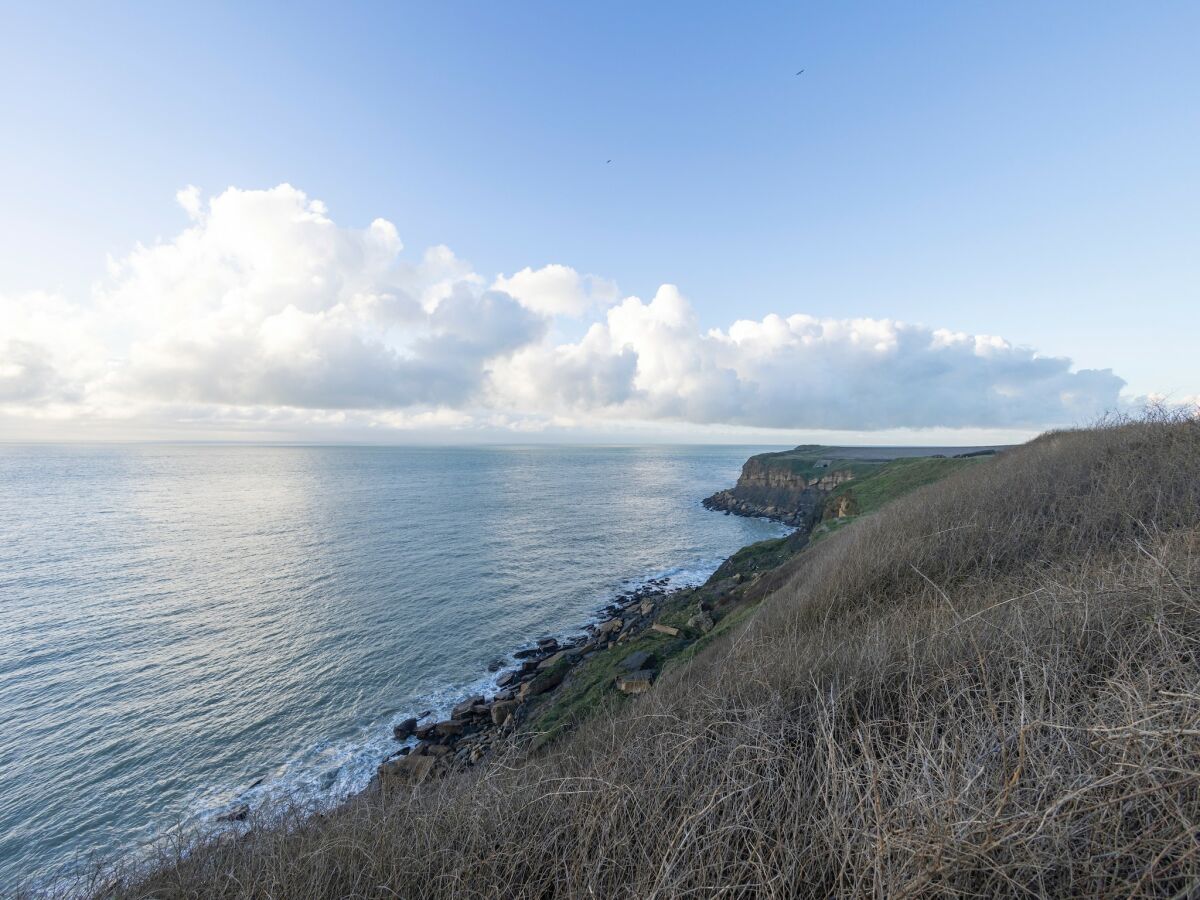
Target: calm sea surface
(187,627)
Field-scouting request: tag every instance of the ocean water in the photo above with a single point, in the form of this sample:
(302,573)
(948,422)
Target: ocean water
(183,628)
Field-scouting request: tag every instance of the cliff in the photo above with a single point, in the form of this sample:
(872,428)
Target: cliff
(814,483)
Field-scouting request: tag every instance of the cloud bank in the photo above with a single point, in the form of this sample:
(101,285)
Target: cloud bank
(264,308)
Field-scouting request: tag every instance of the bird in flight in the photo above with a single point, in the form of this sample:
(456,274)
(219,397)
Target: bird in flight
(801,72)
(608,162)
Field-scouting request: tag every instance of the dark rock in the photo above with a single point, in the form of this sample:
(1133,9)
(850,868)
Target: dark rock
(506,679)
(639,659)
(502,710)
(545,644)
(239,813)
(560,656)
(496,664)
(451,729)
(465,708)
(701,622)
(546,681)
(402,731)
(526,653)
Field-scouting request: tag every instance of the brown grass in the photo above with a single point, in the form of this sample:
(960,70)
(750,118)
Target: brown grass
(991,687)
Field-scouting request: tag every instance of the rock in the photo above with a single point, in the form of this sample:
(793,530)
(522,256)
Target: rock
(647,607)
(701,622)
(411,769)
(546,681)
(526,653)
(610,627)
(545,644)
(665,629)
(464,709)
(506,679)
(437,749)
(402,731)
(496,664)
(503,710)
(636,682)
(558,657)
(450,729)
(239,813)
(639,659)
(501,696)
(425,732)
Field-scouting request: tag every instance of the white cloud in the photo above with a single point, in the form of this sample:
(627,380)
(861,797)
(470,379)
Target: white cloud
(263,310)
(556,290)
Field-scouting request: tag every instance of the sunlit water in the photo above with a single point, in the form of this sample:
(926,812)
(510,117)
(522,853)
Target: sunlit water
(187,627)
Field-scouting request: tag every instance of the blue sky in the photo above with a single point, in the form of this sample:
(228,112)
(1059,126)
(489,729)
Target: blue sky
(1024,170)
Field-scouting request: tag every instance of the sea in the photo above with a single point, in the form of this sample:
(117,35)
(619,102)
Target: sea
(185,628)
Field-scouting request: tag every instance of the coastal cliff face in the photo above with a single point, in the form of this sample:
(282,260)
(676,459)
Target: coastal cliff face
(774,491)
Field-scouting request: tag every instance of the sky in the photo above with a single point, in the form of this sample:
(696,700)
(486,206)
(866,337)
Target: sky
(961,223)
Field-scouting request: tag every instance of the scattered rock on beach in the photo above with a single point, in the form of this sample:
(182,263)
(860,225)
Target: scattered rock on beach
(669,630)
(701,622)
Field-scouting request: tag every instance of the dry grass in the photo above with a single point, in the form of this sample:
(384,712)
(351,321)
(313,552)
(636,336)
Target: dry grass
(991,687)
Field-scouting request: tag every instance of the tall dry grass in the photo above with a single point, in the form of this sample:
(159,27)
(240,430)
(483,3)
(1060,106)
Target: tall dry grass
(990,688)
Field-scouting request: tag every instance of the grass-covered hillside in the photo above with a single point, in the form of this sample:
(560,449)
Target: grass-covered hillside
(989,686)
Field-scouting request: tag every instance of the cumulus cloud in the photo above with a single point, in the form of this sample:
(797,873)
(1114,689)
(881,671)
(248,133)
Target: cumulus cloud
(556,290)
(264,309)
(651,361)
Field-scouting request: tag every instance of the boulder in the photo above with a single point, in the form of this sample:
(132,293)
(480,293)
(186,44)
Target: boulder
(465,708)
(411,769)
(546,681)
(450,729)
(639,659)
(402,731)
(503,710)
(636,682)
(669,630)
(506,679)
(526,653)
(647,607)
(496,664)
(545,644)
(701,622)
(610,627)
(561,655)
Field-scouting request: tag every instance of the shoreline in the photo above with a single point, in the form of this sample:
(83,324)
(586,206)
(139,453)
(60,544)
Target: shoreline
(520,665)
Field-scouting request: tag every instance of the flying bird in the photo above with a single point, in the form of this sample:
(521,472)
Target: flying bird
(608,162)
(801,72)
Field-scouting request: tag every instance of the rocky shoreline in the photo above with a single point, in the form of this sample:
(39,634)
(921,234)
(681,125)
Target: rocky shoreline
(480,726)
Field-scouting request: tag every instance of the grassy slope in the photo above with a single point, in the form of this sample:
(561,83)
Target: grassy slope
(590,688)
(988,687)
